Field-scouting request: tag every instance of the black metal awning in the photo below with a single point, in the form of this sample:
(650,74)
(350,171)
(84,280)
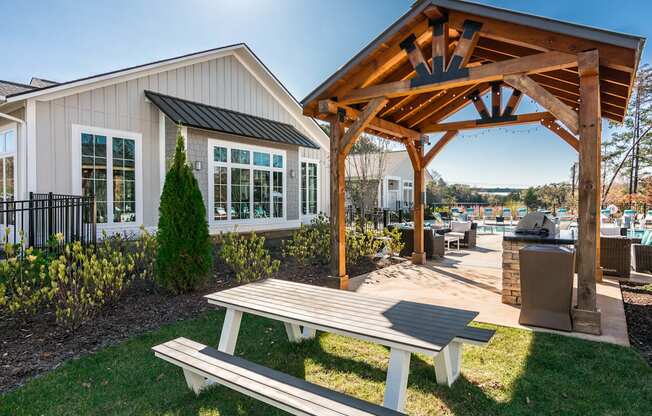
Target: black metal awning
(202,116)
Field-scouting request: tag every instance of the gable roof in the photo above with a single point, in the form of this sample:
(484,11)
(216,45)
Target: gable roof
(40,82)
(9,88)
(240,51)
(504,35)
(202,116)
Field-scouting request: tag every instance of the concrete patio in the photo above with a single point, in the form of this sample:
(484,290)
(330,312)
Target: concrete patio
(471,279)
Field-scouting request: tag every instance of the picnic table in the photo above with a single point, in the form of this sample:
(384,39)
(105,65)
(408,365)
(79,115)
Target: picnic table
(405,327)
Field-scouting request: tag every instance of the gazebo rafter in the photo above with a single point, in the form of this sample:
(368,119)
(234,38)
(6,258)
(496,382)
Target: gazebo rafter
(443,55)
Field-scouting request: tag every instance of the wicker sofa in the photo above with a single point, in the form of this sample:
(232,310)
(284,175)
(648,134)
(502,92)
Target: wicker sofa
(642,258)
(616,256)
(468,239)
(434,243)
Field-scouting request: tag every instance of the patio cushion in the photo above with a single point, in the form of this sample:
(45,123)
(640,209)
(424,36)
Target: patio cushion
(610,231)
(460,227)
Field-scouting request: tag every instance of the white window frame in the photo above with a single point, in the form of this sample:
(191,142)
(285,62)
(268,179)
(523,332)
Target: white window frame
(316,162)
(408,184)
(228,223)
(77,131)
(5,129)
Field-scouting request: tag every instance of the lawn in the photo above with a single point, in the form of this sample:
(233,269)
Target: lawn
(519,373)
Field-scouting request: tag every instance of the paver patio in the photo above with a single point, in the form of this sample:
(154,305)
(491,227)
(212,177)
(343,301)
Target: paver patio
(471,279)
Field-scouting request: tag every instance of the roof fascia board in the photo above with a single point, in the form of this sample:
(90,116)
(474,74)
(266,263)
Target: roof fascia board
(294,109)
(552,25)
(379,40)
(60,91)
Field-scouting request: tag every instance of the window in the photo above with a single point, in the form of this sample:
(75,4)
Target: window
(309,184)
(240,156)
(248,184)
(219,154)
(109,170)
(7,165)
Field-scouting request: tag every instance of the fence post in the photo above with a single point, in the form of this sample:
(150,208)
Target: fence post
(385,219)
(50,216)
(30,221)
(94,219)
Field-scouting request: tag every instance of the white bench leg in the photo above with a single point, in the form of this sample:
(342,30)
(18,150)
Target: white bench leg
(230,330)
(448,363)
(195,382)
(397,377)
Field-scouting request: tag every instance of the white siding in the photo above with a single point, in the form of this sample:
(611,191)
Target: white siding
(222,82)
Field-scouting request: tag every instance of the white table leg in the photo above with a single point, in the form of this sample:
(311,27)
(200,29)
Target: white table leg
(293,331)
(309,333)
(230,330)
(298,334)
(448,363)
(397,377)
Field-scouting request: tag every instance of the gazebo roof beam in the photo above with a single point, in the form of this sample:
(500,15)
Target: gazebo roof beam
(559,109)
(548,61)
(376,124)
(483,124)
(551,124)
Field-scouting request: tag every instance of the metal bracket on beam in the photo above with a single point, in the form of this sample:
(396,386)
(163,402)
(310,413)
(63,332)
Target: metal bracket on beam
(341,114)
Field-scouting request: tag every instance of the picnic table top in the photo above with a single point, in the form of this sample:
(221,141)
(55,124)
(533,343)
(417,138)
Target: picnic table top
(410,326)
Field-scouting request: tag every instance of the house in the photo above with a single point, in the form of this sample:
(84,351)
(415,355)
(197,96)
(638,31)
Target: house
(393,173)
(261,165)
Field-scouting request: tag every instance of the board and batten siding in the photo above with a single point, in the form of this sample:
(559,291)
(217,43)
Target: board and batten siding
(222,82)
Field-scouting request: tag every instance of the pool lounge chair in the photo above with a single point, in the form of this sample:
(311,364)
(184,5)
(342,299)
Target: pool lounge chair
(507,214)
(647,222)
(562,213)
(521,212)
(470,212)
(488,214)
(605,216)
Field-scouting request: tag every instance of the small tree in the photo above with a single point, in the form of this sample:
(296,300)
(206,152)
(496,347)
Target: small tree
(184,248)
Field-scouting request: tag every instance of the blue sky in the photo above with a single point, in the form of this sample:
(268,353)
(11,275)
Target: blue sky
(301,41)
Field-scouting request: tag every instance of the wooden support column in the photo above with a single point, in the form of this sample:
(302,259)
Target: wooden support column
(415,150)
(586,316)
(337,219)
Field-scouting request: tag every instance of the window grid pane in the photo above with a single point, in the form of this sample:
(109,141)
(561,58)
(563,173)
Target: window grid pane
(277,195)
(240,156)
(124,180)
(261,194)
(240,193)
(261,159)
(94,177)
(220,188)
(278,161)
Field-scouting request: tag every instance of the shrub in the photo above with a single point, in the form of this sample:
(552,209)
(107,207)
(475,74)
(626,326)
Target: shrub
(394,242)
(184,248)
(83,279)
(311,242)
(23,281)
(362,243)
(143,255)
(247,257)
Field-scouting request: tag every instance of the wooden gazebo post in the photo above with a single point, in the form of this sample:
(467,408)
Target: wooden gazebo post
(586,316)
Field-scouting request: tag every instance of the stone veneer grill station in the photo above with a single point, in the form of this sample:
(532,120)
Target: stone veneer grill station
(512,243)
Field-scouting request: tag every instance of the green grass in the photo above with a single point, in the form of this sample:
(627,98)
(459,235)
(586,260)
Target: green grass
(519,373)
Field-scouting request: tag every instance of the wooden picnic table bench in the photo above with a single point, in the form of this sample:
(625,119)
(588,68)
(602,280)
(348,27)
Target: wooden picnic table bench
(405,327)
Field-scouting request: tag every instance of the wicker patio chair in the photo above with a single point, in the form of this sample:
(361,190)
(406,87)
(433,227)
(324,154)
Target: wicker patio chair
(434,243)
(616,256)
(642,258)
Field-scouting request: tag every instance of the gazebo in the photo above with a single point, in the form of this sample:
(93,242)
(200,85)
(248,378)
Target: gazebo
(445,54)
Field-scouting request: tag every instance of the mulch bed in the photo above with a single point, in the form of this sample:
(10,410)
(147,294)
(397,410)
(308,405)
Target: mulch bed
(29,348)
(638,310)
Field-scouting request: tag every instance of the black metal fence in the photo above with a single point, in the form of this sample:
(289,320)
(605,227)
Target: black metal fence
(35,221)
